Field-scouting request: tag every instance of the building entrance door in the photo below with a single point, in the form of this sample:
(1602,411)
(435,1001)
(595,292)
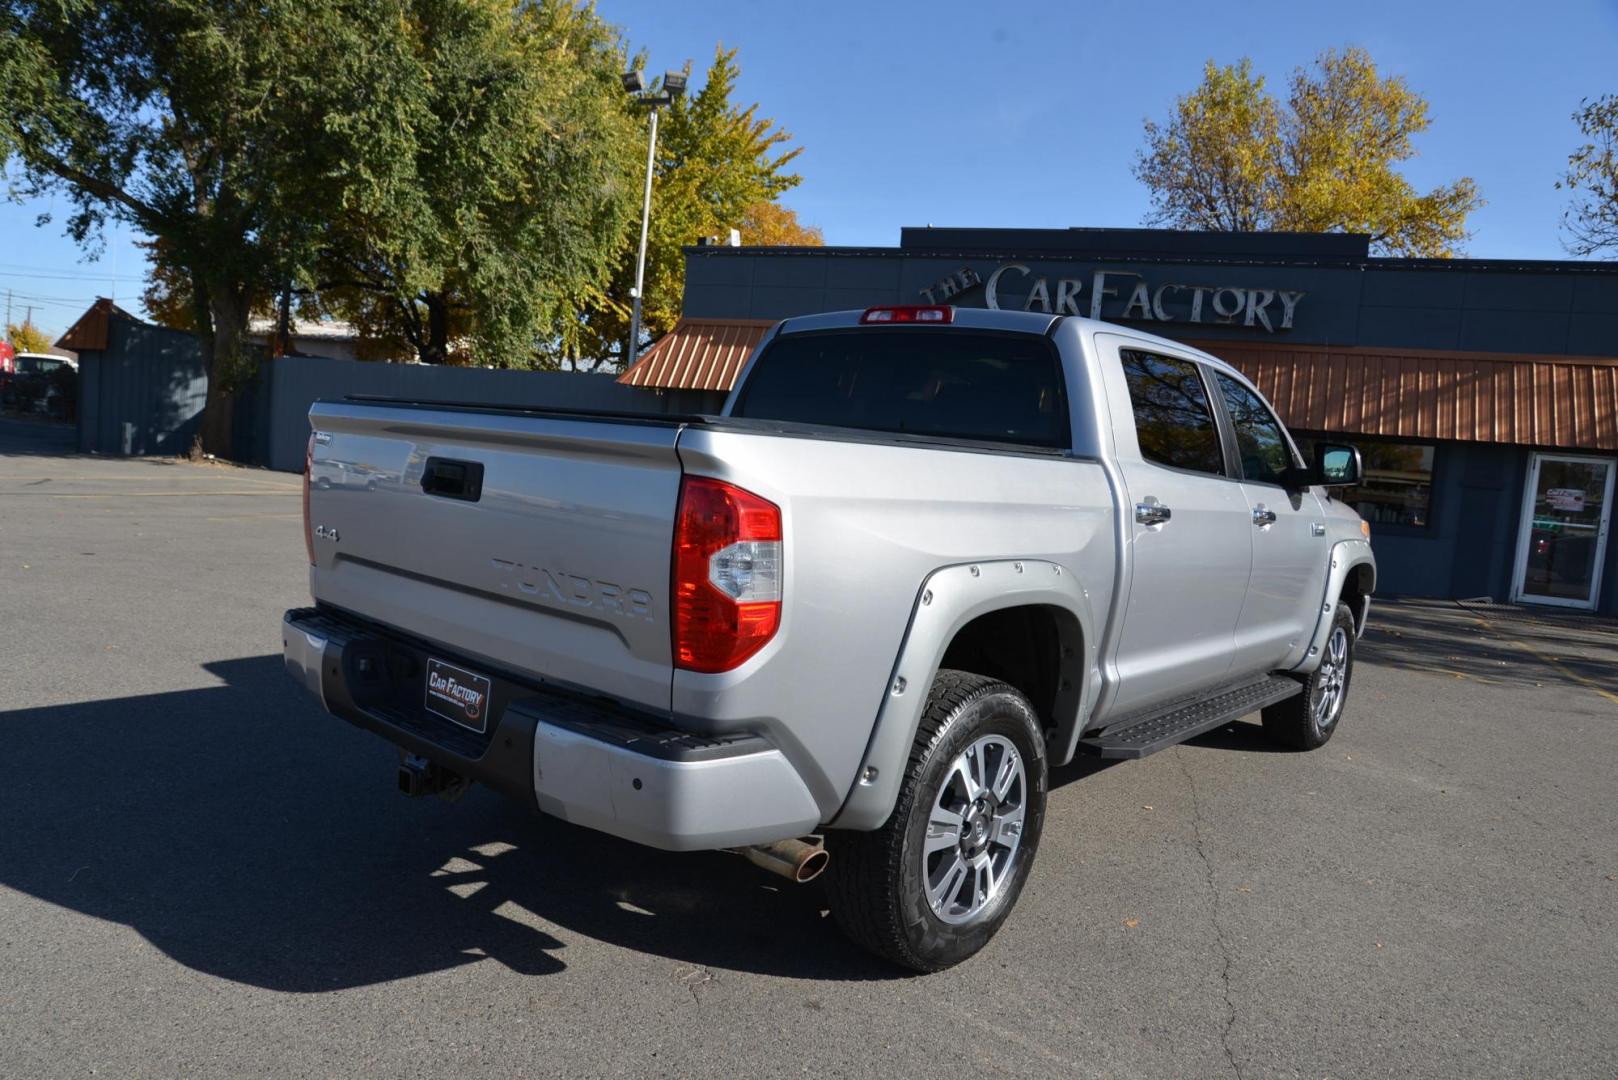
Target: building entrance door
(1566,510)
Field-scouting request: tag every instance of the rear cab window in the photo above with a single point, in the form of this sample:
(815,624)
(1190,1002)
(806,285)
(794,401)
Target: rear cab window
(966,385)
(1174,420)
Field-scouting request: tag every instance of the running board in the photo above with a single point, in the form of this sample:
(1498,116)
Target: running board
(1161,728)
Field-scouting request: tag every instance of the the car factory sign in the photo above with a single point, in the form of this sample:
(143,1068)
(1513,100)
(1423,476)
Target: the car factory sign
(1124,296)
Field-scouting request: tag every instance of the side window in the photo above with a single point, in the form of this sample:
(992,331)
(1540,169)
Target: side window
(1173,420)
(1259,438)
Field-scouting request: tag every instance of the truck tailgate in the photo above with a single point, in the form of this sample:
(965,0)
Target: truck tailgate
(536,543)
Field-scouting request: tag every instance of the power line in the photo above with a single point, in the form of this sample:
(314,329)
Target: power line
(83,298)
(37,298)
(38,266)
(63,305)
(74,297)
(56,277)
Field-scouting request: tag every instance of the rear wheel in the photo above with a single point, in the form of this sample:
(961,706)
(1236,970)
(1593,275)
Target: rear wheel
(1308,720)
(933,884)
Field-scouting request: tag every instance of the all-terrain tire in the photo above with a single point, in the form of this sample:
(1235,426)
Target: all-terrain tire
(1306,721)
(877,881)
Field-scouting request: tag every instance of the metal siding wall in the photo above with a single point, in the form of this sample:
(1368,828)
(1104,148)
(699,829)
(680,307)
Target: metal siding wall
(1380,306)
(1470,547)
(169,372)
(1421,562)
(1488,486)
(89,399)
(145,394)
(1607,602)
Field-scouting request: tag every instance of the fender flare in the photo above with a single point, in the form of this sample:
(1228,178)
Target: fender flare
(1346,556)
(950,598)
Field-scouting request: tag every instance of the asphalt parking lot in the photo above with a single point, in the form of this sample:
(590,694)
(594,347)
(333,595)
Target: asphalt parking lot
(201,874)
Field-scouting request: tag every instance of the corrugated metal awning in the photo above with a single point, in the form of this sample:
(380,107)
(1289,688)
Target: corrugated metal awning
(698,354)
(1569,402)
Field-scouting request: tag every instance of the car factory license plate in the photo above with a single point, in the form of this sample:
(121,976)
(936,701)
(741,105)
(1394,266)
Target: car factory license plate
(458,694)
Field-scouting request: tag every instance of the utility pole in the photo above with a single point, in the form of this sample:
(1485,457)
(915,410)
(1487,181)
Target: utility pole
(640,261)
(635,86)
(8,307)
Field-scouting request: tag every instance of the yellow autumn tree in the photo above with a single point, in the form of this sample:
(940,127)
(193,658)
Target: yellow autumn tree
(168,295)
(1232,157)
(769,224)
(27,338)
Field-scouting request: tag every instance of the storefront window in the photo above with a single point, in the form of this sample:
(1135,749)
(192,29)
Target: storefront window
(1397,488)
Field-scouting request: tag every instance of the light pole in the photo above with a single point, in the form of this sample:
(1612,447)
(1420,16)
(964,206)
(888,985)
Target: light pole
(673,87)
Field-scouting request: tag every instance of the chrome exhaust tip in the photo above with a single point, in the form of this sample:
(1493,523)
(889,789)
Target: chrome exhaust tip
(794,860)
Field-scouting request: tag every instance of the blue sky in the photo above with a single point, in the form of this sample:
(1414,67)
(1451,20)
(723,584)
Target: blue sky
(986,114)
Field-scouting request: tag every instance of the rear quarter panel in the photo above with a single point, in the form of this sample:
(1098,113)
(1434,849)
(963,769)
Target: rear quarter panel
(865,523)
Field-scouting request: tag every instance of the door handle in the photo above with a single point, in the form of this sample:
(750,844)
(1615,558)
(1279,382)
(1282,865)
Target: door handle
(1263,517)
(1152,513)
(450,479)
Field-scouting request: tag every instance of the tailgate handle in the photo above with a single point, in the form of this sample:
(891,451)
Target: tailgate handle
(451,479)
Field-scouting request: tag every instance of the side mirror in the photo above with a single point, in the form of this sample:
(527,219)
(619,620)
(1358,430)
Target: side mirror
(1336,465)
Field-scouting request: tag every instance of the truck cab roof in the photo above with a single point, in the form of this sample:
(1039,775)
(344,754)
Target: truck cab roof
(1028,322)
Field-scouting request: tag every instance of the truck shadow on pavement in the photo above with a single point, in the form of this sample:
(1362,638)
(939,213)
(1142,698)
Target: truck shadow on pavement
(249,836)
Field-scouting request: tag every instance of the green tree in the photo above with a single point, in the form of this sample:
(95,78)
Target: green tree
(512,196)
(198,122)
(715,160)
(453,169)
(1233,157)
(27,338)
(1591,222)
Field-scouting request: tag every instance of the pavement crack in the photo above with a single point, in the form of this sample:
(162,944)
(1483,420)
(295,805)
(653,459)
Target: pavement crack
(1213,918)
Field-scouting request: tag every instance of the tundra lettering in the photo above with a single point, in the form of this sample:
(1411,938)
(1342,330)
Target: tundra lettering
(575,590)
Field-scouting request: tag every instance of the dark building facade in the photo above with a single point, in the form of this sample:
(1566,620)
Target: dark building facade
(1483,394)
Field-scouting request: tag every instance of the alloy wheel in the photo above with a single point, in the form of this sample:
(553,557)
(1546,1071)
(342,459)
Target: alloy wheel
(974,829)
(1332,680)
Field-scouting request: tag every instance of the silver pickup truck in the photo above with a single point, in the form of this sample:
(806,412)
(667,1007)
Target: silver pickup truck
(923,556)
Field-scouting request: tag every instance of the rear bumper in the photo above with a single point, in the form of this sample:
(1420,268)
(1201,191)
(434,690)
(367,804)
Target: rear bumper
(584,760)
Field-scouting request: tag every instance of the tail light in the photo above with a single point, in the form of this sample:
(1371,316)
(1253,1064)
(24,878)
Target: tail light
(915,313)
(308,530)
(727,575)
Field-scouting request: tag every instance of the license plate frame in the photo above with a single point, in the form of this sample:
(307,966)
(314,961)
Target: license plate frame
(457,694)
